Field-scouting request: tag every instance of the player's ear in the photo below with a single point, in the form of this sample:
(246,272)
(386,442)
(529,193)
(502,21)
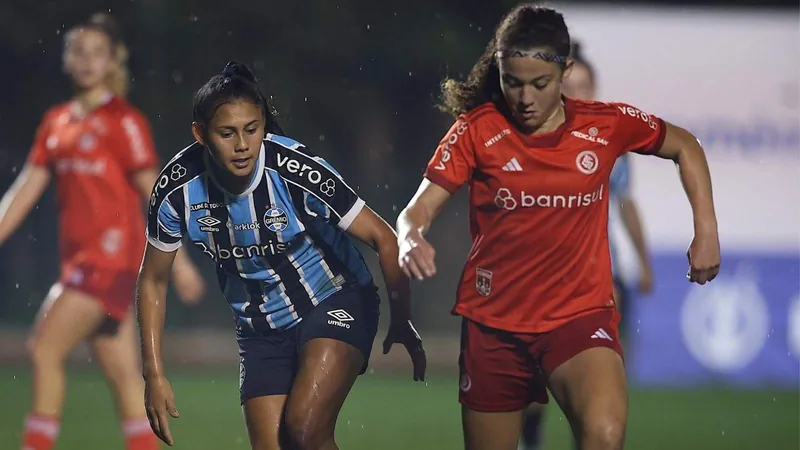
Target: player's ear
(567,68)
(197,131)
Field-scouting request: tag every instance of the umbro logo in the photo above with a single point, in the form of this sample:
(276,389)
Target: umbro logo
(341,315)
(512,166)
(209,224)
(340,318)
(601,334)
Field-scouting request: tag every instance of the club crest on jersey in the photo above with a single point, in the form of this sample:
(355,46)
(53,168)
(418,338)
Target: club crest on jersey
(483,282)
(587,162)
(86,143)
(276,220)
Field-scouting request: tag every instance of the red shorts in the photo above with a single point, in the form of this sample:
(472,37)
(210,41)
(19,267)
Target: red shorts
(114,288)
(504,371)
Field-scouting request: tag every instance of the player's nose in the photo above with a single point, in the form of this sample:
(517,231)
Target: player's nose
(527,98)
(241,144)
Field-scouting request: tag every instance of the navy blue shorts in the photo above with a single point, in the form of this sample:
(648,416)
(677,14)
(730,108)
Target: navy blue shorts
(268,360)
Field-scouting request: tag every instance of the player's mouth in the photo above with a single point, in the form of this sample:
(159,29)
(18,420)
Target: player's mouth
(527,115)
(241,163)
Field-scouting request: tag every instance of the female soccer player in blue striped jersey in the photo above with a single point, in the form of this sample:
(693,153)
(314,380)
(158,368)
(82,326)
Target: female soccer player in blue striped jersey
(275,220)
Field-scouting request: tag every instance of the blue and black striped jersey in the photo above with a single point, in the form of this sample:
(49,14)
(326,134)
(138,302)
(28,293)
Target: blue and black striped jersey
(280,246)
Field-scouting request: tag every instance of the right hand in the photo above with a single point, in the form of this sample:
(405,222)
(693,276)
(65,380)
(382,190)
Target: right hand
(159,402)
(416,256)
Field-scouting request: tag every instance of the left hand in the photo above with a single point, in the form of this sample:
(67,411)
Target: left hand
(646,280)
(704,258)
(403,332)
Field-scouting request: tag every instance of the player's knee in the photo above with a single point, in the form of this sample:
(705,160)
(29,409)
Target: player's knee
(305,432)
(604,433)
(44,356)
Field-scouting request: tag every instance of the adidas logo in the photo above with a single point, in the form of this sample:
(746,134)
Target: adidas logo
(601,334)
(512,166)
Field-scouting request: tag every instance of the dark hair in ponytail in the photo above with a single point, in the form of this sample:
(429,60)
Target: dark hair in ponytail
(235,82)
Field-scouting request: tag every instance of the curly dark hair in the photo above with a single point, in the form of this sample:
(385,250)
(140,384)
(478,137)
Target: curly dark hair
(526,26)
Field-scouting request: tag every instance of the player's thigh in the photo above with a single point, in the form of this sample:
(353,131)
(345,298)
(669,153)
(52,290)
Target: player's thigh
(267,367)
(67,317)
(115,345)
(327,370)
(587,374)
(335,342)
(499,381)
(263,417)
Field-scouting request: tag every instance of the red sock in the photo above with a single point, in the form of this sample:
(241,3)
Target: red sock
(139,435)
(40,432)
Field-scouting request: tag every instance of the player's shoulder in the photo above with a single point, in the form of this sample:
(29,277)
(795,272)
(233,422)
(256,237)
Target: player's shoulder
(122,111)
(484,124)
(54,113)
(287,155)
(593,108)
(185,166)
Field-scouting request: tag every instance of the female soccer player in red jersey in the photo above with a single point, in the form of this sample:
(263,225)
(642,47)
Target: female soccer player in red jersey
(99,150)
(536,294)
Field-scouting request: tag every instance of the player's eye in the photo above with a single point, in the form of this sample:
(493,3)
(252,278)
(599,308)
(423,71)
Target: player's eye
(226,134)
(541,84)
(252,130)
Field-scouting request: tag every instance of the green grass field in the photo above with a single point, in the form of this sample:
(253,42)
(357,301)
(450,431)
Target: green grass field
(387,412)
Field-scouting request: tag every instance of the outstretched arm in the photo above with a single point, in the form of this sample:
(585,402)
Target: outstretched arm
(685,150)
(416,254)
(369,228)
(20,198)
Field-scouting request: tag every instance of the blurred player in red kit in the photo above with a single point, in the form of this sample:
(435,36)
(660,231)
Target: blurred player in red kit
(536,294)
(99,149)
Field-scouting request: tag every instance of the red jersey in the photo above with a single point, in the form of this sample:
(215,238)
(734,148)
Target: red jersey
(539,210)
(92,158)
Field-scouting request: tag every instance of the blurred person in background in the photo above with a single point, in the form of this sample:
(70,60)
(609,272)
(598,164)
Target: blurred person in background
(536,293)
(99,149)
(581,84)
(278,223)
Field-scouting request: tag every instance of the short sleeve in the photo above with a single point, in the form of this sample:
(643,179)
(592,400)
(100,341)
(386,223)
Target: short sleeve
(164,224)
(134,140)
(454,160)
(39,154)
(326,193)
(620,177)
(637,131)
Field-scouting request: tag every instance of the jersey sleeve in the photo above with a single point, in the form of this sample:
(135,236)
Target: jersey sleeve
(620,177)
(637,131)
(39,155)
(453,161)
(325,192)
(134,141)
(164,223)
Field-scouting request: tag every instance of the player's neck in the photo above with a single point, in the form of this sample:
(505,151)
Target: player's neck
(558,117)
(87,101)
(229,182)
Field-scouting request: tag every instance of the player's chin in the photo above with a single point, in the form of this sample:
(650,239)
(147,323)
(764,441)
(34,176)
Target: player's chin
(242,167)
(84,82)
